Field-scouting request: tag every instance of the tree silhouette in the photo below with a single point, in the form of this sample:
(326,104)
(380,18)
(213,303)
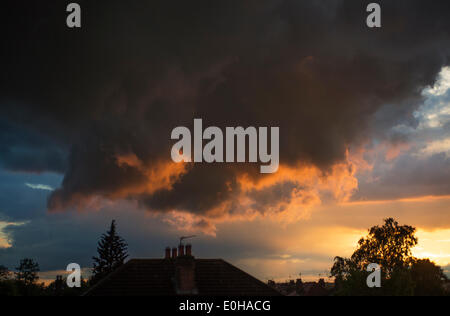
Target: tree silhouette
(27,271)
(59,287)
(389,246)
(112,252)
(428,278)
(4,273)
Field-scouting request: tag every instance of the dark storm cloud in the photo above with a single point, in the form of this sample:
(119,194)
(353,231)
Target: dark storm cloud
(216,185)
(138,69)
(270,198)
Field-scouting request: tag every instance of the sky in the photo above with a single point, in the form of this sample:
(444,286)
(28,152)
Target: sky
(86,117)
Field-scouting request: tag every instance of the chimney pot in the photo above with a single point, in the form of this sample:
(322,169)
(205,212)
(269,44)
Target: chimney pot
(189,250)
(174,253)
(167,253)
(181,250)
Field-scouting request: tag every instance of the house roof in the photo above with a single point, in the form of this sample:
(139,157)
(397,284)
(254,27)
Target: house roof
(155,277)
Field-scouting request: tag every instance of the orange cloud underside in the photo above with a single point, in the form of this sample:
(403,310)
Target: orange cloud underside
(312,186)
(160,176)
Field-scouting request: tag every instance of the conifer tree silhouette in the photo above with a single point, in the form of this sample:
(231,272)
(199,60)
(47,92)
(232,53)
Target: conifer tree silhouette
(112,253)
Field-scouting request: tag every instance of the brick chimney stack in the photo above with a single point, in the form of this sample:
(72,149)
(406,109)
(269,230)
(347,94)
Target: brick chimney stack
(189,250)
(174,253)
(167,256)
(185,273)
(181,250)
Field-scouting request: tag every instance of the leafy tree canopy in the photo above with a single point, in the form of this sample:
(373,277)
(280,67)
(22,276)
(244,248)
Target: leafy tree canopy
(27,271)
(389,246)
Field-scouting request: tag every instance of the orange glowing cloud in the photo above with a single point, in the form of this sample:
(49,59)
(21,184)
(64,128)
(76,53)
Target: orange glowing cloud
(159,176)
(310,188)
(340,181)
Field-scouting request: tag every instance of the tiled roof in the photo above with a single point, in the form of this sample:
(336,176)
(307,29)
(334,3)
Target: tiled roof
(155,277)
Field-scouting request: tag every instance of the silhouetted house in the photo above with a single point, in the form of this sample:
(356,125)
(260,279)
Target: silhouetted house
(59,285)
(315,289)
(180,274)
(287,289)
(300,288)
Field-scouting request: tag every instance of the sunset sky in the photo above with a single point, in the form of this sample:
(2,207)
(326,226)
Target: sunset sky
(86,117)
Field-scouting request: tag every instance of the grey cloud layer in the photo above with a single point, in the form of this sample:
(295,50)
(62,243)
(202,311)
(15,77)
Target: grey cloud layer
(423,165)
